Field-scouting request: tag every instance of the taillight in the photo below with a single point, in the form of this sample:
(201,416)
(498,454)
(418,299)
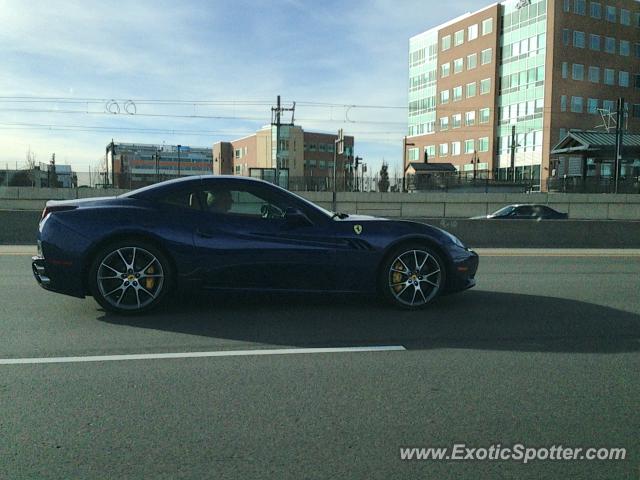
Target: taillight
(56,208)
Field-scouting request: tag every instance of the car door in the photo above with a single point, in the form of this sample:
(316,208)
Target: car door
(249,242)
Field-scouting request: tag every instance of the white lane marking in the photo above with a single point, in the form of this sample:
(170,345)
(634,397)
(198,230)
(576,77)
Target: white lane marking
(223,353)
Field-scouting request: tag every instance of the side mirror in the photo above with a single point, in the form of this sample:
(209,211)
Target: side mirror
(296,217)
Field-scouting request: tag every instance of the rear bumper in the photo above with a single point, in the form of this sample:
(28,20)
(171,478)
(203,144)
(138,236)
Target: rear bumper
(56,278)
(39,272)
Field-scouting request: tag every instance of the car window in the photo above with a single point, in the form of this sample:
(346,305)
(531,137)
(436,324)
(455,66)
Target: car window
(524,211)
(183,198)
(251,202)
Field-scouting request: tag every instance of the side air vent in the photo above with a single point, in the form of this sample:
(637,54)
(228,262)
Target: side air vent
(357,244)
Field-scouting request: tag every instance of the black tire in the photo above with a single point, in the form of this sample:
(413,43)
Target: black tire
(413,288)
(144,287)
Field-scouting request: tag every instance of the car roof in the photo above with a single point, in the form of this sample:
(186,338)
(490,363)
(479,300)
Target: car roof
(156,188)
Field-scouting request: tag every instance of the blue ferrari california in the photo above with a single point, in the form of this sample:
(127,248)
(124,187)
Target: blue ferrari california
(234,233)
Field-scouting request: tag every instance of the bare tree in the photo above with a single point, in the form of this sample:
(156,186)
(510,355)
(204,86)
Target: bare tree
(31,166)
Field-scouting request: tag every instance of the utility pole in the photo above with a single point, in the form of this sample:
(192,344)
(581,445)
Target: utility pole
(338,149)
(157,159)
(276,121)
(404,160)
(619,142)
(179,147)
(513,153)
(474,162)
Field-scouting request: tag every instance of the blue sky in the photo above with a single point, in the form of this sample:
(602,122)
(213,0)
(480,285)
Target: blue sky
(240,54)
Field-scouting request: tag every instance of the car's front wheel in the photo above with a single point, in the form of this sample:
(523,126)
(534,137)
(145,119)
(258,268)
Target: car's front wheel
(412,276)
(129,277)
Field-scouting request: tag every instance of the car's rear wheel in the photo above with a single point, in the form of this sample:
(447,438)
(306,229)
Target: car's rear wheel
(130,277)
(412,276)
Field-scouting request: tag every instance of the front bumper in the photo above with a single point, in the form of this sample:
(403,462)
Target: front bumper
(464,270)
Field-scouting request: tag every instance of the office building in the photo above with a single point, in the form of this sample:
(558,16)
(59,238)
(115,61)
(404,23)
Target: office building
(544,67)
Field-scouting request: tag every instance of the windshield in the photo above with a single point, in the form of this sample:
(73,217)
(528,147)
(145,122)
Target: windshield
(504,211)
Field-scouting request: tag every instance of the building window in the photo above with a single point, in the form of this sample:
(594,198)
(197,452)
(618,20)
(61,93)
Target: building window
(470,119)
(472,32)
(580,7)
(237,153)
(444,149)
(592,106)
(623,79)
(611,14)
(483,144)
(596,10)
(609,105)
(472,61)
(414,154)
(486,56)
(446,43)
(578,39)
(636,110)
(444,124)
(430,151)
(484,115)
(609,45)
(594,42)
(563,103)
(485,86)
(625,48)
(444,97)
(566,37)
(637,81)
(469,146)
(566,6)
(456,120)
(637,50)
(576,104)
(565,70)
(609,76)
(577,72)
(458,65)
(594,74)
(625,17)
(455,148)
(445,70)
(458,38)
(487,26)
(471,90)
(457,94)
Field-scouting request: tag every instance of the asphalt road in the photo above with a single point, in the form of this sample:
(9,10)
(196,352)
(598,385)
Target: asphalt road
(543,352)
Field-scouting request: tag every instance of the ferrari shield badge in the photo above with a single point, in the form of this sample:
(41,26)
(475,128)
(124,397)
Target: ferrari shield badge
(357,229)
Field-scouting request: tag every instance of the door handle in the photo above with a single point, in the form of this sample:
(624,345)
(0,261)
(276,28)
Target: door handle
(204,233)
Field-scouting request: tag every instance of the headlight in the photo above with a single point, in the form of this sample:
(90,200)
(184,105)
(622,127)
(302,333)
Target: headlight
(455,240)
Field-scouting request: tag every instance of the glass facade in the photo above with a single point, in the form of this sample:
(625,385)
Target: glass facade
(522,76)
(423,75)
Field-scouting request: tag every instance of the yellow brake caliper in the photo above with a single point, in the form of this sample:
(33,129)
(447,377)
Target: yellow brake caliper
(150,282)
(396,277)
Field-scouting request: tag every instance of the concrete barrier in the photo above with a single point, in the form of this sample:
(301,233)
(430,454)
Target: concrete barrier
(542,234)
(21,226)
(392,204)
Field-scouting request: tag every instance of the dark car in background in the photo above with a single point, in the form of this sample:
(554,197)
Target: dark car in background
(524,212)
(235,233)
